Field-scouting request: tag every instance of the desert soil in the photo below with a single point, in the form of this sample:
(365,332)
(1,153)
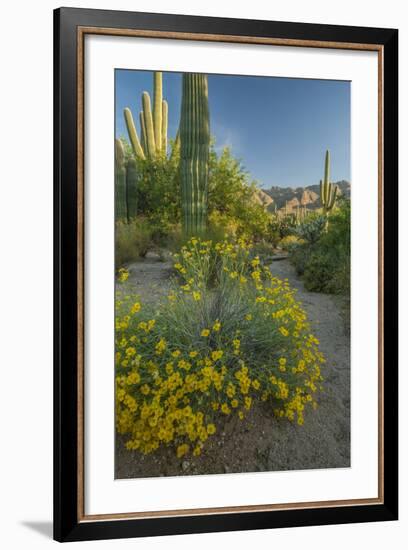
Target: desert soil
(262,442)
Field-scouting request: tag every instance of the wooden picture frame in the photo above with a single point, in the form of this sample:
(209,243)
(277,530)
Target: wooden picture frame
(70,520)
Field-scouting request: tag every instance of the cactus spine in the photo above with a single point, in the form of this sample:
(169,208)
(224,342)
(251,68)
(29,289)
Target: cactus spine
(153,124)
(120,181)
(194,154)
(328,191)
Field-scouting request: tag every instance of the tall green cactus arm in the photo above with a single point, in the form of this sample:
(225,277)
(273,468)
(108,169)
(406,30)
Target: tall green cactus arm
(332,197)
(119,153)
(328,191)
(134,138)
(142,130)
(120,182)
(157,109)
(194,153)
(148,123)
(327,167)
(165,118)
(153,125)
(321,192)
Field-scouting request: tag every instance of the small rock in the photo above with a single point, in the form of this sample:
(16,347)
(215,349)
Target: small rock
(185,465)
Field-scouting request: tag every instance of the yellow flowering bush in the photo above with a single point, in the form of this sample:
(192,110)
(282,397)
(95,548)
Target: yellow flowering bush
(229,334)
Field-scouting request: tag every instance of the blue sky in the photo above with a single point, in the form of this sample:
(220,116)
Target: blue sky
(280,128)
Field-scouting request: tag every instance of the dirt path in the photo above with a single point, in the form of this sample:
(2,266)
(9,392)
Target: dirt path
(262,443)
(148,278)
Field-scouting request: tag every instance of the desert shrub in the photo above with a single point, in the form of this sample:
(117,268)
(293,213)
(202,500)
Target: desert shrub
(325,263)
(312,228)
(211,350)
(231,202)
(158,191)
(132,240)
(290,242)
(272,236)
(282,226)
(264,249)
(299,257)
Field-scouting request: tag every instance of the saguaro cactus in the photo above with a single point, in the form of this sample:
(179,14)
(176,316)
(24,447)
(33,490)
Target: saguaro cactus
(165,123)
(300,214)
(157,109)
(131,188)
(194,152)
(120,181)
(133,136)
(153,124)
(328,191)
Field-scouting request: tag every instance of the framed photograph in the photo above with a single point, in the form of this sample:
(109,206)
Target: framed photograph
(225,274)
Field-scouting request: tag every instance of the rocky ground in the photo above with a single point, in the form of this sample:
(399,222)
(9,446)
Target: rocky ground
(261,443)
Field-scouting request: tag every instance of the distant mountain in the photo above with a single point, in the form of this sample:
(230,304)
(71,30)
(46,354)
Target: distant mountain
(263,198)
(300,196)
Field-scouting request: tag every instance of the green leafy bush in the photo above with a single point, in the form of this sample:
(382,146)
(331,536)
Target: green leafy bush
(325,262)
(159,191)
(231,203)
(132,240)
(290,242)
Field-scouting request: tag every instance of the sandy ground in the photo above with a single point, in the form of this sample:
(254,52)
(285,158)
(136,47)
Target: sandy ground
(262,443)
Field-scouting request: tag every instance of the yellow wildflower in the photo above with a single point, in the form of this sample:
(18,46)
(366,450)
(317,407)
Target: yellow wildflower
(182,450)
(161,346)
(216,326)
(135,308)
(217,354)
(211,429)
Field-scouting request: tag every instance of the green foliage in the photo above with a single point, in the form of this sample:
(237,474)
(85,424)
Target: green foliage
(290,242)
(131,188)
(120,181)
(231,203)
(232,210)
(195,141)
(282,226)
(132,240)
(158,192)
(325,263)
(312,228)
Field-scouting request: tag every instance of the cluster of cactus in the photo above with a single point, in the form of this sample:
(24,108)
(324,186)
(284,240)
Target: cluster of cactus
(301,213)
(153,124)
(194,152)
(328,191)
(125,184)
(284,213)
